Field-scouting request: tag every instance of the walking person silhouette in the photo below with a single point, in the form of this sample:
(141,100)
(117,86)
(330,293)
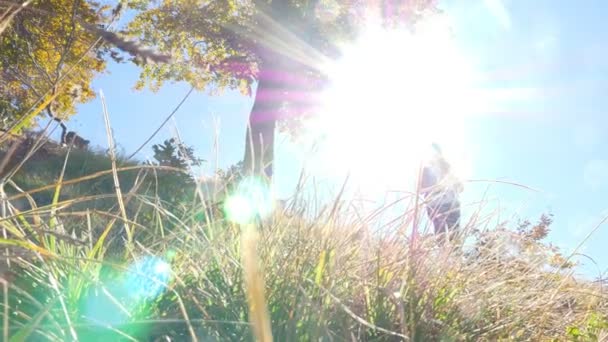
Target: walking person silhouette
(440,190)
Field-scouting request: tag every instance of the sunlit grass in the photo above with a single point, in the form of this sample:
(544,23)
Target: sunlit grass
(95,248)
(306,273)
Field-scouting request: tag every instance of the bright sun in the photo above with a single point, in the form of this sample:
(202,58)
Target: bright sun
(392,94)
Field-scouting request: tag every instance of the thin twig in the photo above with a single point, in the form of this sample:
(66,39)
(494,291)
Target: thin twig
(162,124)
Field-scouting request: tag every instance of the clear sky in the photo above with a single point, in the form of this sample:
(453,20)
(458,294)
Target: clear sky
(547,65)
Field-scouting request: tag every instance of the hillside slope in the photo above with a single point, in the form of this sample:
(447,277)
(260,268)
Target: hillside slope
(86,262)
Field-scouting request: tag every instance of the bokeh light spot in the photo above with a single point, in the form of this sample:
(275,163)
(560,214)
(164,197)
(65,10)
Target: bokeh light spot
(252,198)
(148,277)
(122,296)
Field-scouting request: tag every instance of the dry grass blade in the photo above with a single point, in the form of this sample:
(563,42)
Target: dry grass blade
(64,307)
(24,333)
(184,313)
(587,237)
(358,318)
(94,176)
(254,286)
(6,307)
(117,331)
(303,274)
(111,148)
(54,207)
(28,246)
(9,154)
(502,182)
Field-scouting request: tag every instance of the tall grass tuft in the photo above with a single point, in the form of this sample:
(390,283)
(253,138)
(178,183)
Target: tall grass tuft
(306,272)
(254,286)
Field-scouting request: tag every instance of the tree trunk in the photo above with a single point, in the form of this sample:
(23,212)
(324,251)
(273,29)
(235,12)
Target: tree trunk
(275,78)
(259,144)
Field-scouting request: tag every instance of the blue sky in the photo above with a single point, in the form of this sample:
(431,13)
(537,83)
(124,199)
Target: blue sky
(548,59)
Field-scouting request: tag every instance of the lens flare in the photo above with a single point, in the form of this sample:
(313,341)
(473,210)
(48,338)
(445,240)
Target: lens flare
(122,297)
(251,199)
(147,277)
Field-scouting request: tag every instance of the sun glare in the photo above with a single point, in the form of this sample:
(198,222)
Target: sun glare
(392,94)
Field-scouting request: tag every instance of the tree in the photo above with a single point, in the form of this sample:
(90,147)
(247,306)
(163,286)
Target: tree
(280,45)
(174,189)
(48,54)
(176,154)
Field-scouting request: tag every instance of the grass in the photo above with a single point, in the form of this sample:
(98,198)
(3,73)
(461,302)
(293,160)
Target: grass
(72,270)
(95,248)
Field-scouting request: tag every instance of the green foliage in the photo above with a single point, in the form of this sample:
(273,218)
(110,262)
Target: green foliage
(232,175)
(175,188)
(594,329)
(44,168)
(46,53)
(280,45)
(176,154)
(197,37)
(225,44)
